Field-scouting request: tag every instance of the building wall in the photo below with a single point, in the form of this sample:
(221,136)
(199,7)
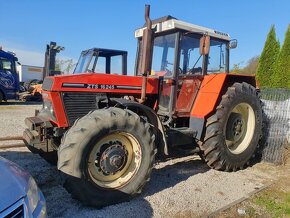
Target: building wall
(27,72)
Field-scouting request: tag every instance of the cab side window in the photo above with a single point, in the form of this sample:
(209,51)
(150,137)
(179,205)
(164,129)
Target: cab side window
(217,57)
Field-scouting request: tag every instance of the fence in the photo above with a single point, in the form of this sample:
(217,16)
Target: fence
(276,116)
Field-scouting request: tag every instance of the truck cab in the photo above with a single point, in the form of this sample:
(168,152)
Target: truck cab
(9,80)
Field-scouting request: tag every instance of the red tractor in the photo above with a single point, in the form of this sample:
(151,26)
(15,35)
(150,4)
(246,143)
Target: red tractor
(106,129)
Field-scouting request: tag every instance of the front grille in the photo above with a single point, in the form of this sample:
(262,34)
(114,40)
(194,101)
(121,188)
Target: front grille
(78,104)
(17,213)
(17,210)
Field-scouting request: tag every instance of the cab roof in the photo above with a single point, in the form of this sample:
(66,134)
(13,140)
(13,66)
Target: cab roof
(168,23)
(8,55)
(106,52)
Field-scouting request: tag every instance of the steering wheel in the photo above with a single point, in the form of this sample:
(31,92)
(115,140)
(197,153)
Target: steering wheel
(195,70)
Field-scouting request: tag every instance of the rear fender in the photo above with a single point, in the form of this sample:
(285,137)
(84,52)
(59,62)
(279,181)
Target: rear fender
(151,116)
(211,90)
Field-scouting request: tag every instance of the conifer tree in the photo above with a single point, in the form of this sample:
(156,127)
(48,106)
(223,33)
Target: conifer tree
(266,66)
(281,77)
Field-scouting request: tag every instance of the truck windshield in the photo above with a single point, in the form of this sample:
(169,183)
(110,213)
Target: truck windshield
(7,65)
(83,62)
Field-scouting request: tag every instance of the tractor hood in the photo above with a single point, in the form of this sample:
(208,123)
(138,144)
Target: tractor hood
(92,82)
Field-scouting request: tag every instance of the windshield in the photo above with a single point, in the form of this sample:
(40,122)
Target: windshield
(83,62)
(162,56)
(7,65)
(102,61)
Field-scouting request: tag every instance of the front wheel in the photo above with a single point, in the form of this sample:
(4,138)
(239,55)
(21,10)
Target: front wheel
(233,132)
(107,156)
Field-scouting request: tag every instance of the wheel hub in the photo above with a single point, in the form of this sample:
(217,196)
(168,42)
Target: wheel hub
(238,127)
(113,158)
(235,127)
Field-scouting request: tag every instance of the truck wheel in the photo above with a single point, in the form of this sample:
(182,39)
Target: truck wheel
(106,157)
(233,132)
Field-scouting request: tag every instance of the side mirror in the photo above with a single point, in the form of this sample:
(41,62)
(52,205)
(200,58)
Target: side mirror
(204,45)
(233,43)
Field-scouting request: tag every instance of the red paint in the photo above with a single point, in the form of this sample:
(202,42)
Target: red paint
(187,90)
(211,90)
(55,94)
(108,79)
(208,95)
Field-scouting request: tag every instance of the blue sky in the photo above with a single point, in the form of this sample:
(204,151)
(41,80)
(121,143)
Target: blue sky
(28,25)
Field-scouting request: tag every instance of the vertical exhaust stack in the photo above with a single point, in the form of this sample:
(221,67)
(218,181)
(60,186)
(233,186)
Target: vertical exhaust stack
(146,53)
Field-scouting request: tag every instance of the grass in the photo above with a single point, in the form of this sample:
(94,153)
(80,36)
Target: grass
(275,202)
(272,202)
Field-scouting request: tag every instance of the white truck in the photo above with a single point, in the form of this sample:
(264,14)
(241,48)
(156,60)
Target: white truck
(27,73)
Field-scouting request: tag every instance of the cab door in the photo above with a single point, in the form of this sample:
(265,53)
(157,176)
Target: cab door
(189,75)
(186,93)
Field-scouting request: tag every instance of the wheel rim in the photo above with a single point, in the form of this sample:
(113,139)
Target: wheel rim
(240,128)
(114,160)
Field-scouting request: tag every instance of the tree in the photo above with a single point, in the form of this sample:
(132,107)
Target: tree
(266,66)
(66,66)
(252,64)
(250,68)
(237,68)
(281,77)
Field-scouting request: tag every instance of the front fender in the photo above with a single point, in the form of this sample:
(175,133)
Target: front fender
(151,116)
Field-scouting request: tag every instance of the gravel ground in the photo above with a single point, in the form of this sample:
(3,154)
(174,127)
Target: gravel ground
(183,187)
(12,117)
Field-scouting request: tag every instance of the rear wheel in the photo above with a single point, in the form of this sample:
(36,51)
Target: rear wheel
(107,156)
(233,132)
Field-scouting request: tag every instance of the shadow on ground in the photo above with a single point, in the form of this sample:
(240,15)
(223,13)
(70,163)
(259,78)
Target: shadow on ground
(170,175)
(15,102)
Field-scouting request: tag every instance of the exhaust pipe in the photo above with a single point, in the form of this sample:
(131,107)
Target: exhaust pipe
(146,53)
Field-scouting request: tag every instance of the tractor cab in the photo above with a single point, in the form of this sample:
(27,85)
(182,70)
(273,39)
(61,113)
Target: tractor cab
(178,49)
(100,60)
(182,54)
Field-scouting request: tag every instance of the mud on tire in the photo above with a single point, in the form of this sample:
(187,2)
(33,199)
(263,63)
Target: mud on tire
(106,157)
(233,132)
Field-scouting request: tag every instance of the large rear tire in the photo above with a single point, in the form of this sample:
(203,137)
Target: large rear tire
(106,157)
(233,132)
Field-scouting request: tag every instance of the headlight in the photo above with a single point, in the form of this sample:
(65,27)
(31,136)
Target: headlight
(48,106)
(33,194)
(48,109)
